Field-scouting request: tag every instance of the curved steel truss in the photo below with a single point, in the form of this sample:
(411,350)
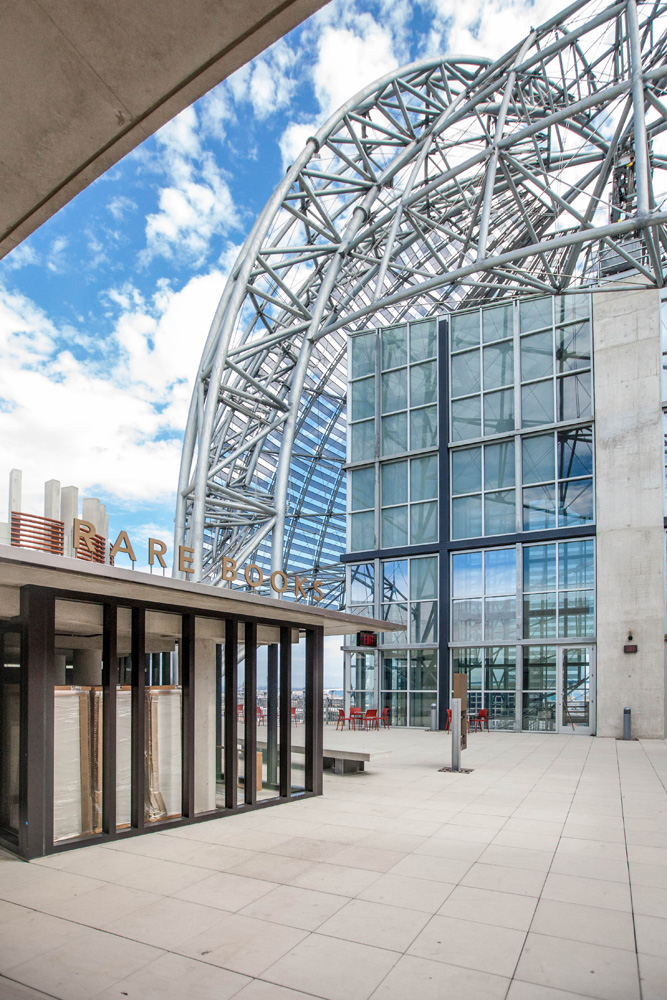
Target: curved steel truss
(448,183)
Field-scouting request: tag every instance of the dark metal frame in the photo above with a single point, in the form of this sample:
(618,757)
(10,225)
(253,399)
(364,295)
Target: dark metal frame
(36,625)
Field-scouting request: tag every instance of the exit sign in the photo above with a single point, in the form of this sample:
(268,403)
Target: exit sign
(369,639)
(630,649)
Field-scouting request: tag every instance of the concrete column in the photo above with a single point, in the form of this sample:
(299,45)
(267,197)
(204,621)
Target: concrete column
(60,664)
(69,509)
(204,724)
(15,479)
(630,546)
(90,511)
(87,667)
(52,499)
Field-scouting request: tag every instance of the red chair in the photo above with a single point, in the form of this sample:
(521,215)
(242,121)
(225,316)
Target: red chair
(384,718)
(448,723)
(356,718)
(260,717)
(371,720)
(239,713)
(342,718)
(481,719)
(293,714)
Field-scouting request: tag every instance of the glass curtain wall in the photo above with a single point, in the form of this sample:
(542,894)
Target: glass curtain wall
(10,732)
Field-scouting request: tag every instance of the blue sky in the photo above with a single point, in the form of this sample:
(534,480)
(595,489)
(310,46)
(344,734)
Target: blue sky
(105,309)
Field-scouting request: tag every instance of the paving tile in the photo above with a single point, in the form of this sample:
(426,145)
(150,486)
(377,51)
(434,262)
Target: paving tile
(100,907)
(376,924)
(433,869)
(87,964)
(653,972)
(587,848)
(370,858)
(500,909)
(588,969)
(273,868)
(307,848)
(647,855)
(409,893)
(530,991)
(295,907)
(457,850)
(531,841)
(504,879)
(590,891)
(516,857)
(427,980)
(333,969)
(166,923)
(472,834)
(10,990)
(242,944)
(469,943)
(26,934)
(260,990)
(402,842)
(571,864)
(650,901)
(651,936)
(336,878)
(172,977)
(655,875)
(579,922)
(226,892)
(48,890)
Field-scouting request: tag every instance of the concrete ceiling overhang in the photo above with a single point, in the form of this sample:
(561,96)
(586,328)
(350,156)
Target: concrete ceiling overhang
(85,81)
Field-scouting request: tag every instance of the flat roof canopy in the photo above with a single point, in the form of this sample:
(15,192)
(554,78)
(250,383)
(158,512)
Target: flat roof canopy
(19,567)
(85,81)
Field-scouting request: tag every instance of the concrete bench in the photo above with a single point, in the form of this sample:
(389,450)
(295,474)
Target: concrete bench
(341,761)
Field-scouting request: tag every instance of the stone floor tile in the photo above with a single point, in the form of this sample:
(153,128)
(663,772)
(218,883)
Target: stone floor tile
(471,834)
(427,980)
(370,858)
(433,869)
(590,891)
(172,977)
(504,879)
(456,850)
(651,936)
(588,969)
(501,909)
(530,991)
(530,841)
(573,864)
(644,838)
(100,907)
(471,944)
(333,969)
(307,848)
(226,892)
(166,923)
(242,944)
(653,972)
(28,934)
(402,842)
(647,855)
(10,990)
(336,878)
(655,875)
(273,868)
(588,848)
(517,857)
(409,893)
(650,901)
(49,890)
(295,907)
(377,924)
(579,922)
(258,989)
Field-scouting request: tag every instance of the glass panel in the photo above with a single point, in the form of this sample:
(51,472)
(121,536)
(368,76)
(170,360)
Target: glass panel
(569,307)
(539,616)
(163,719)
(499,411)
(209,765)
(394,434)
(10,731)
(124,720)
(467,517)
(394,527)
(424,616)
(423,523)
(467,574)
(576,688)
(498,365)
(362,441)
(423,340)
(362,355)
(466,470)
(394,347)
(575,502)
(539,508)
(573,347)
(576,614)
(467,621)
(536,356)
(362,700)
(466,419)
(535,313)
(465,329)
(576,564)
(394,479)
(362,531)
(499,619)
(539,668)
(395,580)
(362,395)
(423,384)
(362,672)
(420,708)
(500,572)
(498,465)
(362,579)
(539,567)
(423,578)
(502,710)
(424,478)
(395,670)
(362,488)
(537,404)
(499,513)
(398,707)
(539,713)
(538,459)
(500,668)
(575,453)
(298,711)
(497,323)
(395,390)
(574,397)
(397,613)
(469,662)
(77,722)
(466,377)
(424,670)
(424,428)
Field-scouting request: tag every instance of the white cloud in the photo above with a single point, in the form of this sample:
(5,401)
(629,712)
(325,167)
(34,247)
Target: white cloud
(486,28)
(57,260)
(120,206)
(21,256)
(267,83)
(349,58)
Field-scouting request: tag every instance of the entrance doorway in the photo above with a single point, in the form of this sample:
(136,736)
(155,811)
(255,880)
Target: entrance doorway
(576,695)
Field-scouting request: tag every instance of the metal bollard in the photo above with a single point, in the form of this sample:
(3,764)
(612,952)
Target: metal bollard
(456,734)
(434,717)
(627,723)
